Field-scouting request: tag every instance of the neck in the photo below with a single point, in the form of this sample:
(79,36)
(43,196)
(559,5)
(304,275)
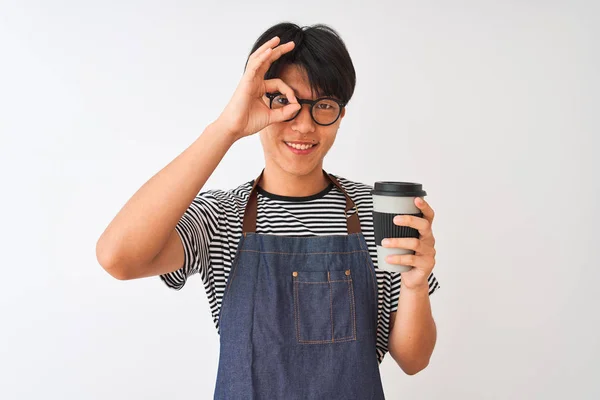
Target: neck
(282,183)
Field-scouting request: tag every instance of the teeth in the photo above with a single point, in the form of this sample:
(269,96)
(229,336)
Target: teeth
(300,146)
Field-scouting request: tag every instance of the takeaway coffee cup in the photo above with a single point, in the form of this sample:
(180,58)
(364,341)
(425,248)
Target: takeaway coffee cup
(389,200)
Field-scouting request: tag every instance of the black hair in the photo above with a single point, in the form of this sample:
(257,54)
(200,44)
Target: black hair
(320,52)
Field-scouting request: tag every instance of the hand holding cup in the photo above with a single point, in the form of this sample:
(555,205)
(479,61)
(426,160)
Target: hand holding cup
(403,220)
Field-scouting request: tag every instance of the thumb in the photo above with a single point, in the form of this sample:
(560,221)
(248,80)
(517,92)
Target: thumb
(285,113)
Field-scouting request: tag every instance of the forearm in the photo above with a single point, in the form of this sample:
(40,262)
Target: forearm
(414,332)
(141,228)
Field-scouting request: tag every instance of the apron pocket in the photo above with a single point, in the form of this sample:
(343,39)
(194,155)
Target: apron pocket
(324,306)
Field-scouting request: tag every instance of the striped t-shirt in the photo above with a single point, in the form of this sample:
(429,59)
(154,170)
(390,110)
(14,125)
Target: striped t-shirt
(211,228)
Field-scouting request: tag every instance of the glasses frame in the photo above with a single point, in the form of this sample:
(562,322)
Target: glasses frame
(312,103)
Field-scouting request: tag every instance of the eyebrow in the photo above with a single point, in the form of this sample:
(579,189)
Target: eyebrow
(295,91)
(319,95)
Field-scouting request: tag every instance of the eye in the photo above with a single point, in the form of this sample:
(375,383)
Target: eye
(327,105)
(281,100)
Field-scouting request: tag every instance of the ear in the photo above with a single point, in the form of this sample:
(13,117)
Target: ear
(343,112)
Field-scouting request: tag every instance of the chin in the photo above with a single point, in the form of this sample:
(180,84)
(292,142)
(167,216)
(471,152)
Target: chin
(298,169)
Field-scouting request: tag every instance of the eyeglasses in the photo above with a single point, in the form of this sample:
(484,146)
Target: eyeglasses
(324,111)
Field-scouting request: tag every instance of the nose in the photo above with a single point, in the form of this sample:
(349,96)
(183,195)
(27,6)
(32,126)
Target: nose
(303,122)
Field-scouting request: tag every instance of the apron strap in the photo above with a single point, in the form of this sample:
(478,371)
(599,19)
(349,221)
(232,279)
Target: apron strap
(352,220)
(250,214)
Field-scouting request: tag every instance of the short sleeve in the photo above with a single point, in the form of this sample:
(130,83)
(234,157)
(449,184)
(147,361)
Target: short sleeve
(196,229)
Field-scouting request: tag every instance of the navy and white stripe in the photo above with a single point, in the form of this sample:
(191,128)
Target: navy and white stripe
(211,228)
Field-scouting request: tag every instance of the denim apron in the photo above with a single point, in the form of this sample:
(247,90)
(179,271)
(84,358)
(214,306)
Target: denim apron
(298,318)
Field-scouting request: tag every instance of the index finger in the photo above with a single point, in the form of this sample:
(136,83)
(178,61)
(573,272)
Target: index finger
(275,54)
(278,85)
(425,208)
(270,43)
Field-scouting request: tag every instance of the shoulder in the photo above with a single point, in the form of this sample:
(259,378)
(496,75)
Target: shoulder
(240,192)
(227,200)
(355,186)
(358,191)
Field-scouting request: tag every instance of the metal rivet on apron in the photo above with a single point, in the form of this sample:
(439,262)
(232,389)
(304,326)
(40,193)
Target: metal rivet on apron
(295,273)
(347,272)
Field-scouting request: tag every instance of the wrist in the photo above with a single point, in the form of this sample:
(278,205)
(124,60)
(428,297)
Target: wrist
(414,288)
(224,130)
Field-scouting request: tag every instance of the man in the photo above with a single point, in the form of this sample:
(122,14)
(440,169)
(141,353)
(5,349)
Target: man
(288,259)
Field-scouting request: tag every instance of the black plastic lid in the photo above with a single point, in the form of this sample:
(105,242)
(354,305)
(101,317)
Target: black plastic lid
(402,189)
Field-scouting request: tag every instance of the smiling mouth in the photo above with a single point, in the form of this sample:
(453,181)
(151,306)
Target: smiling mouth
(299,146)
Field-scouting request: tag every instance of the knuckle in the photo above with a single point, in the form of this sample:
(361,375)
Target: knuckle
(252,68)
(254,58)
(415,243)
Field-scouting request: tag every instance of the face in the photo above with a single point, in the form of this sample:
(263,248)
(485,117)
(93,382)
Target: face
(302,130)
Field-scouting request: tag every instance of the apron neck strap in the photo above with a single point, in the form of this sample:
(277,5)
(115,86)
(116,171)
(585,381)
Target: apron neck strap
(252,207)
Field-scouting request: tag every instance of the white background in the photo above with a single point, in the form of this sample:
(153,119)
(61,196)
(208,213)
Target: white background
(489,104)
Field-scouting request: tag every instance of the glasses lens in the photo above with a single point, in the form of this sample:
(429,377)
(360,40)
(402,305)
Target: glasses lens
(326,112)
(279,101)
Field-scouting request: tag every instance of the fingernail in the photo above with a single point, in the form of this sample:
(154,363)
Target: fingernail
(385,242)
